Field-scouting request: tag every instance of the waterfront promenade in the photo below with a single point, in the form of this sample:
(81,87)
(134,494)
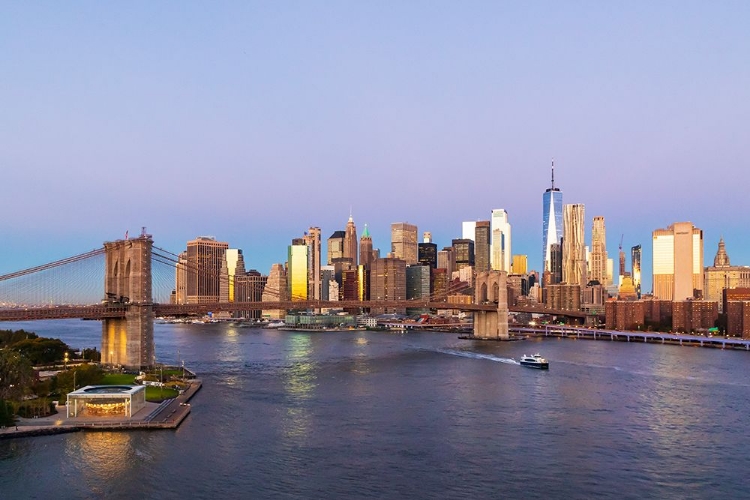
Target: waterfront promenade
(168,414)
(681,339)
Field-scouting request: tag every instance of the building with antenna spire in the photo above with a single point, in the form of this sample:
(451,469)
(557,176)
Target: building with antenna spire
(552,225)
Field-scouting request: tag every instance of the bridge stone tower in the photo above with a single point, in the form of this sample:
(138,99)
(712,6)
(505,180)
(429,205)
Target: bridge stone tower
(129,341)
(490,286)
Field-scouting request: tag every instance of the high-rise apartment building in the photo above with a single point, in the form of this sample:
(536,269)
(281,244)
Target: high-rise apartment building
(500,257)
(678,262)
(297,269)
(552,221)
(574,246)
(482,246)
(350,242)
(404,242)
(635,255)
(598,251)
(365,248)
(205,259)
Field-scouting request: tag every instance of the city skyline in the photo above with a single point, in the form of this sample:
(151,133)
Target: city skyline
(254,122)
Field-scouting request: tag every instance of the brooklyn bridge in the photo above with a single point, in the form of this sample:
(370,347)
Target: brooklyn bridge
(125,284)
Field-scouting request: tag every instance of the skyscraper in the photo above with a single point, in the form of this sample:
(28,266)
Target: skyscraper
(312,239)
(482,246)
(500,256)
(520,264)
(678,262)
(574,247)
(404,242)
(598,251)
(297,273)
(635,254)
(365,247)
(205,259)
(463,253)
(350,242)
(388,282)
(336,246)
(427,251)
(552,220)
(234,266)
(468,230)
(276,290)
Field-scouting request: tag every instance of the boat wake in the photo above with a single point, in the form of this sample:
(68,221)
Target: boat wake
(474,355)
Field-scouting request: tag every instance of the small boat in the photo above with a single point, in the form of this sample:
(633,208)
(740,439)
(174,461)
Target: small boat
(534,361)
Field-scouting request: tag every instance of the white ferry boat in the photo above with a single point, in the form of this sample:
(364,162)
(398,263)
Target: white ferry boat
(534,361)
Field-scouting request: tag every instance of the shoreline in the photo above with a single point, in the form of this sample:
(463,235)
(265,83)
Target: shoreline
(168,414)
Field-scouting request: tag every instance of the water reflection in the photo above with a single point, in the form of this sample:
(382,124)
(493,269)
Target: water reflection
(299,382)
(100,457)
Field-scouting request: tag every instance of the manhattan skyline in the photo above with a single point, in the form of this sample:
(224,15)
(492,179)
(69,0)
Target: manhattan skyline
(251,122)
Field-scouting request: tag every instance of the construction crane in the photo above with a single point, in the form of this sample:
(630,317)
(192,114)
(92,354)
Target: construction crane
(622,259)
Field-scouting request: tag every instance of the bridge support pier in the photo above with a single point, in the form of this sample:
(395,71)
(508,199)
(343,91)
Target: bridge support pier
(129,341)
(490,286)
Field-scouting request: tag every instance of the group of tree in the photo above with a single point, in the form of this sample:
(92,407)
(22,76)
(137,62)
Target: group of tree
(21,392)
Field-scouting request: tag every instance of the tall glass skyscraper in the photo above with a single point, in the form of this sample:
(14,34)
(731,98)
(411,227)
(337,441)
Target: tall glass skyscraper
(552,220)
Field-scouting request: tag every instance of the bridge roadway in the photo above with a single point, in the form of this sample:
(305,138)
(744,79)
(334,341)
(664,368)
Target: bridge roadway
(114,310)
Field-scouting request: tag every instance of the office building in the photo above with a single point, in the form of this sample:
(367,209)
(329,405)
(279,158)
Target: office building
(365,248)
(574,250)
(724,276)
(468,230)
(232,267)
(446,259)
(552,222)
(203,265)
(463,253)
(276,290)
(297,269)
(482,246)
(388,282)
(427,251)
(404,242)
(678,262)
(520,264)
(500,257)
(350,242)
(336,246)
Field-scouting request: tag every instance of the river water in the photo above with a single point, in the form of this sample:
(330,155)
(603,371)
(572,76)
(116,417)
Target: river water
(417,415)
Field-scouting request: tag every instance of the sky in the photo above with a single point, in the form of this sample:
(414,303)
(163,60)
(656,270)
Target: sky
(252,121)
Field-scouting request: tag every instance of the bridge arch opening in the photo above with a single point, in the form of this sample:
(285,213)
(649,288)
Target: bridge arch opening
(495,292)
(483,293)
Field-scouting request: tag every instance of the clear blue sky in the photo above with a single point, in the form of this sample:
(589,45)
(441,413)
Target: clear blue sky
(252,121)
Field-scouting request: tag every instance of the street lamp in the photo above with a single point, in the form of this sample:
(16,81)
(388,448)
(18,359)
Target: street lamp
(66,360)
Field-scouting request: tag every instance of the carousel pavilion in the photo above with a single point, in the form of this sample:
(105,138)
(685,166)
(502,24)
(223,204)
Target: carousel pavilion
(106,401)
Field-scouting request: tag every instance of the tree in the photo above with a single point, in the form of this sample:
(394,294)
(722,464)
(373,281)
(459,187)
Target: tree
(16,374)
(42,350)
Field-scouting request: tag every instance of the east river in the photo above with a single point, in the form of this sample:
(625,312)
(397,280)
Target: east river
(287,415)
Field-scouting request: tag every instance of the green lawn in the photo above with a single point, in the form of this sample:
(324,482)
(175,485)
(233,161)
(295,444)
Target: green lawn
(153,394)
(156,394)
